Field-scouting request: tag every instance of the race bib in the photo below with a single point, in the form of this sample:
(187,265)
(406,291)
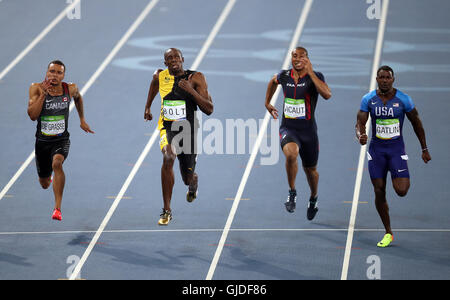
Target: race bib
(174,110)
(294,108)
(53,125)
(387,129)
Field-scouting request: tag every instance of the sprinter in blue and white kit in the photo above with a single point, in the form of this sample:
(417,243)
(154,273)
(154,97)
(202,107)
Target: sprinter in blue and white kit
(387,108)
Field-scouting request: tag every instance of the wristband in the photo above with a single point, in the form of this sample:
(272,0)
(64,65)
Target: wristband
(425,149)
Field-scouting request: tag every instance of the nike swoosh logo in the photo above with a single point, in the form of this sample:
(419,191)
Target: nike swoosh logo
(48,100)
(373,103)
(401,170)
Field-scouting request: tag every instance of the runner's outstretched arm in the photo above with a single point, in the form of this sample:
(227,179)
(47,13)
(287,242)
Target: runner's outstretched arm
(73,89)
(271,88)
(413,116)
(152,92)
(321,86)
(360,128)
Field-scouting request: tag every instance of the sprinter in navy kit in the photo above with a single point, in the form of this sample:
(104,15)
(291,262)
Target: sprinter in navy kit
(298,131)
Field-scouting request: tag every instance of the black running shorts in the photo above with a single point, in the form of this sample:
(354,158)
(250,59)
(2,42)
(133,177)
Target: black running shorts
(307,141)
(186,152)
(44,155)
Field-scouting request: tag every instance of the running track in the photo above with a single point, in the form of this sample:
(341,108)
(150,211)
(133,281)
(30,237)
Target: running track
(112,199)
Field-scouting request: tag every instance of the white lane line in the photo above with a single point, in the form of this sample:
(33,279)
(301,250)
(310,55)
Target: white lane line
(295,38)
(86,87)
(220,229)
(16,175)
(362,154)
(12,65)
(38,38)
(147,148)
(223,16)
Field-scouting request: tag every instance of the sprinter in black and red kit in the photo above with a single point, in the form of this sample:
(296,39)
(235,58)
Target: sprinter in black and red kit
(49,105)
(298,131)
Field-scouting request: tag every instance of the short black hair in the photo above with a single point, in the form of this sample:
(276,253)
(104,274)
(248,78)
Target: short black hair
(302,48)
(57,62)
(173,49)
(385,68)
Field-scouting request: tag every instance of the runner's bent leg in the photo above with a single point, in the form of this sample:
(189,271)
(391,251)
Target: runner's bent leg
(291,150)
(401,185)
(313,180)
(59,179)
(379,185)
(167,175)
(45,182)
